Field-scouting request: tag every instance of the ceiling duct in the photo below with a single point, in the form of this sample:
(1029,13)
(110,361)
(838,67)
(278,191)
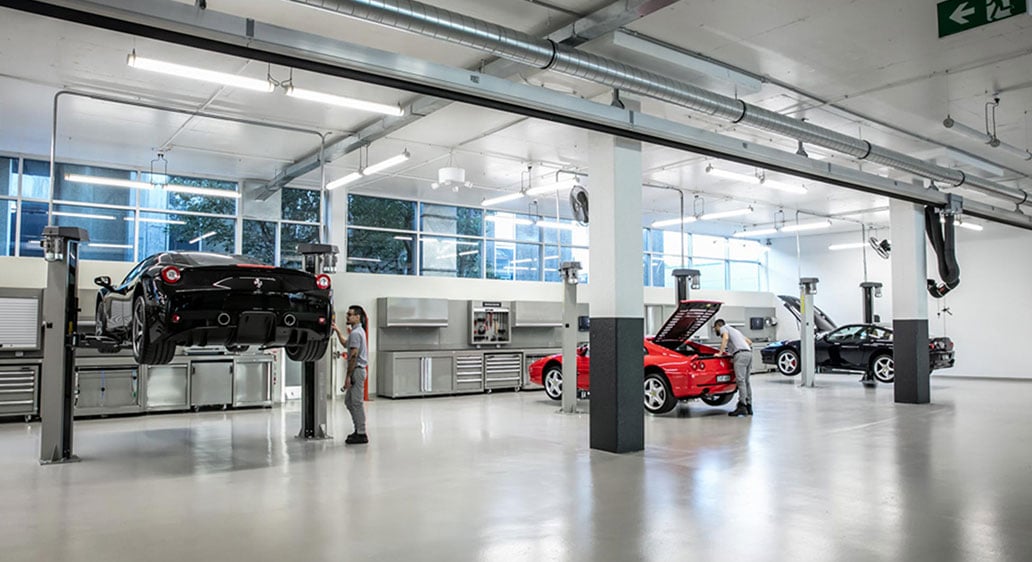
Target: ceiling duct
(500,41)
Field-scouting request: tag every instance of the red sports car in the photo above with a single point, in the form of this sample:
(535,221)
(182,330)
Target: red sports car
(675,368)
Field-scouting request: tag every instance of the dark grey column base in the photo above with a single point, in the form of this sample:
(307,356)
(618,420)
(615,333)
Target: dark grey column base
(911,359)
(617,410)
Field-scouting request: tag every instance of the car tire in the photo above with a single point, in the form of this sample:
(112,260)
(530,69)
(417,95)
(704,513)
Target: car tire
(307,349)
(717,399)
(883,368)
(552,380)
(98,320)
(145,351)
(237,348)
(659,399)
(787,362)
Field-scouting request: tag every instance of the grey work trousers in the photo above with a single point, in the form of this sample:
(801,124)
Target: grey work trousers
(743,364)
(353,398)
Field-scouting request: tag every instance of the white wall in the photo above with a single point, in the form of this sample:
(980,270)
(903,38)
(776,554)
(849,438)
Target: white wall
(988,307)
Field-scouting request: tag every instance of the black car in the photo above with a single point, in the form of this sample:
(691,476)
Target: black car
(855,347)
(196,298)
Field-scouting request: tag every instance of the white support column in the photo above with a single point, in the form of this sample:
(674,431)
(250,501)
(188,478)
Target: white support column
(617,295)
(909,303)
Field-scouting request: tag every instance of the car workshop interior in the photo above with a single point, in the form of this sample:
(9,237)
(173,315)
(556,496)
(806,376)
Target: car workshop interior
(786,242)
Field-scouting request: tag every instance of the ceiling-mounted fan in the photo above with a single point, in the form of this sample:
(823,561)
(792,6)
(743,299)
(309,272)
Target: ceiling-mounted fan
(880,247)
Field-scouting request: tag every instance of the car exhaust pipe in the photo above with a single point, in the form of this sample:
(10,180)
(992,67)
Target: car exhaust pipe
(289,320)
(223,319)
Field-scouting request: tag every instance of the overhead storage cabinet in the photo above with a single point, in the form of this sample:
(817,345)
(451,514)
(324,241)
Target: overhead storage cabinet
(409,312)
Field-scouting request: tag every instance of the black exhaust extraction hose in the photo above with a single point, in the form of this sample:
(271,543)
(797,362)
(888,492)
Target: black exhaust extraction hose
(944,242)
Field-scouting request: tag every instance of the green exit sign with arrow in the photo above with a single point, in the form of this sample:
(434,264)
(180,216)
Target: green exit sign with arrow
(960,15)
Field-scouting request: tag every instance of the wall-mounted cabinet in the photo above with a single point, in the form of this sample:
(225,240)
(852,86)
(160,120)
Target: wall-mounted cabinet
(537,314)
(489,323)
(396,312)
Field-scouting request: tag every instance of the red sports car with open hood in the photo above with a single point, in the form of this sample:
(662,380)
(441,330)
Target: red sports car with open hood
(675,368)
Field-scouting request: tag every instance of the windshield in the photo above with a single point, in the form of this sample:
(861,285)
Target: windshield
(821,321)
(206,259)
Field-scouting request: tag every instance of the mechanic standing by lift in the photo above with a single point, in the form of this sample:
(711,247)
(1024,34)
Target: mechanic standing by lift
(734,342)
(354,382)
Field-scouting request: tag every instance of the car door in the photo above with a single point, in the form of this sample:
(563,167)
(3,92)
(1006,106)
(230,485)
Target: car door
(120,306)
(839,347)
(853,349)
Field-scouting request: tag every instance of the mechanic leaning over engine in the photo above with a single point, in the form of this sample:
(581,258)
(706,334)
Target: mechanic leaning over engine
(735,343)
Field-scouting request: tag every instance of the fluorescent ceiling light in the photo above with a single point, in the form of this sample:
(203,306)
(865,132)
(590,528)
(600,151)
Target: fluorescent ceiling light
(669,222)
(469,252)
(502,199)
(83,215)
(757,232)
(404,238)
(371,260)
(557,225)
(388,163)
(509,219)
(806,226)
(160,221)
(113,182)
(352,177)
(960,224)
(547,258)
(551,188)
(747,178)
(114,246)
(342,101)
(467,243)
(194,73)
(522,260)
(726,214)
(786,187)
(202,237)
(190,190)
(850,246)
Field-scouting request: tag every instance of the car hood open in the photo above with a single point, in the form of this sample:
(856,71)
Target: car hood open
(686,320)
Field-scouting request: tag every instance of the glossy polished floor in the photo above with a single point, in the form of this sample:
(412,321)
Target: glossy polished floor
(834,473)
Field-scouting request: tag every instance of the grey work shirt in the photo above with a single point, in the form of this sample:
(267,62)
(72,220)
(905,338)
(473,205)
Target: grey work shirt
(735,339)
(357,340)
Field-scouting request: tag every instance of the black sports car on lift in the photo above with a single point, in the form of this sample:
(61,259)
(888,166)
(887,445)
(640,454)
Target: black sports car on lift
(855,347)
(196,298)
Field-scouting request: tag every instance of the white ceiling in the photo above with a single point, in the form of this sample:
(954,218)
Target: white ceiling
(874,69)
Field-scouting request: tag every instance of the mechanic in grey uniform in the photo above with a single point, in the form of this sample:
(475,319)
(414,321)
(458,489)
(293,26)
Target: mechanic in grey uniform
(734,342)
(354,383)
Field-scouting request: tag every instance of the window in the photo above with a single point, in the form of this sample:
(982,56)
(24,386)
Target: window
(711,273)
(450,257)
(35,181)
(110,234)
(290,236)
(8,226)
(377,212)
(301,205)
(259,241)
(33,218)
(8,177)
(443,219)
(375,251)
(67,190)
(709,246)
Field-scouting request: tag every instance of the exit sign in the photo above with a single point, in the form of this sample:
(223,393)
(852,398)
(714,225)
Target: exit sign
(960,15)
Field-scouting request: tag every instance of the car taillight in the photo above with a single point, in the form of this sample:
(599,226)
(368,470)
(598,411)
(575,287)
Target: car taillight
(171,274)
(322,281)
(698,365)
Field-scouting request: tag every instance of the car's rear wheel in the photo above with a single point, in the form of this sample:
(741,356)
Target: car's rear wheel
(98,319)
(717,399)
(307,349)
(553,382)
(883,368)
(788,362)
(145,351)
(659,399)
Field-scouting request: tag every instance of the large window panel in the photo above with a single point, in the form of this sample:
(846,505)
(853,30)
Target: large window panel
(450,257)
(381,213)
(35,181)
(33,217)
(446,219)
(709,246)
(744,276)
(8,176)
(554,258)
(374,251)
(746,250)
(290,236)
(67,190)
(202,234)
(662,269)
(509,226)
(259,241)
(301,205)
(711,274)
(498,257)
(666,241)
(8,226)
(527,265)
(168,199)
(110,235)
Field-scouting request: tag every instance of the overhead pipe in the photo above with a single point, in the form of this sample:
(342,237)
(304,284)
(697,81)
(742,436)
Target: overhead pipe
(986,138)
(422,19)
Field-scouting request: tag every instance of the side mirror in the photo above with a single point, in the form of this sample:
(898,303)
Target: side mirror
(103,281)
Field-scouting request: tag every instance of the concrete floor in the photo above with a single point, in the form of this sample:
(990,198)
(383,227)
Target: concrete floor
(834,473)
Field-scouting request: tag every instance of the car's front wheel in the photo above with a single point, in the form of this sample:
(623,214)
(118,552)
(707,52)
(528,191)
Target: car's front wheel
(717,399)
(883,368)
(659,399)
(553,382)
(788,362)
(145,351)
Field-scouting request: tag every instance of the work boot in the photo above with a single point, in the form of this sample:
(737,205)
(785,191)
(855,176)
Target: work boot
(742,409)
(749,407)
(357,439)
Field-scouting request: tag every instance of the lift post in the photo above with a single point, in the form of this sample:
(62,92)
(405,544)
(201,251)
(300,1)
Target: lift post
(686,278)
(807,289)
(60,329)
(569,271)
(318,258)
(870,291)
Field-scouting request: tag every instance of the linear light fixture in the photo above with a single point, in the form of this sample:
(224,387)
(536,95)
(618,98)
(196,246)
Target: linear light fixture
(403,238)
(850,246)
(203,75)
(781,186)
(757,232)
(669,222)
(159,221)
(502,199)
(202,237)
(552,187)
(729,175)
(83,215)
(388,163)
(957,221)
(113,182)
(469,252)
(342,101)
(557,225)
(726,214)
(371,260)
(509,219)
(207,191)
(339,182)
(112,246)
(806,226)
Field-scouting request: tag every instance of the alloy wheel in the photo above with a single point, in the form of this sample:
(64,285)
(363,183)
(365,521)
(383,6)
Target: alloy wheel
(655,394)
(139,312)
(554,383)
(788,362)
(884,369)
